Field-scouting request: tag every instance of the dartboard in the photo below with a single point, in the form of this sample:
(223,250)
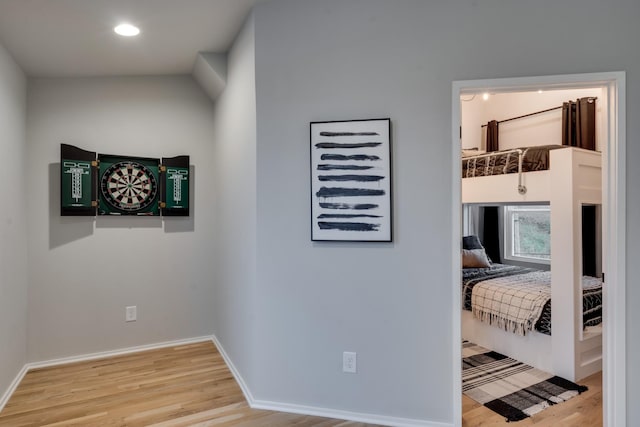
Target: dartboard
(128,186)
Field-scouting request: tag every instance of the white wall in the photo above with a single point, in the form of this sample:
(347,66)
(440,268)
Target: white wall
(13,230)
(234,184)
(391,303)
(84,271)
(541,129)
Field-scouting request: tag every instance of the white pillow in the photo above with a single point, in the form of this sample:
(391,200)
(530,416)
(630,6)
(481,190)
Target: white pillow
(475,258)
(467,152)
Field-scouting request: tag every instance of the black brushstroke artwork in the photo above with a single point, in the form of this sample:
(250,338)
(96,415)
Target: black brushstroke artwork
(349,163)
(327,145)
(326,192)
(357,178)
(344,167)
(348,226)
(355,206)
(337,216)
(326,133)
(351,157)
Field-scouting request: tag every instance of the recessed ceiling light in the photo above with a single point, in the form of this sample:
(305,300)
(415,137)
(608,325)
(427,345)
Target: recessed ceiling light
(127,30)
(485,96)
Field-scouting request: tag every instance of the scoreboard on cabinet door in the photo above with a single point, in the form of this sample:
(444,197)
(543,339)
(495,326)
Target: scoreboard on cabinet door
(102,184)
(174,188)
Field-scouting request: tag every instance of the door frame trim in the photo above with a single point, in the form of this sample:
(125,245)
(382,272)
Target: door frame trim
(614,230)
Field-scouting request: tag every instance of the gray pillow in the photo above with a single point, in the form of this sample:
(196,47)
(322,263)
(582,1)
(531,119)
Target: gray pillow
(471,242)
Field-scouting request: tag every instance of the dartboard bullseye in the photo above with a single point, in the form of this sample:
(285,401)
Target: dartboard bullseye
(128,186)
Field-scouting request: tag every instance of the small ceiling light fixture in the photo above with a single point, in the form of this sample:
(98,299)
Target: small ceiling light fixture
(127,30)
(485,96)
(539,90)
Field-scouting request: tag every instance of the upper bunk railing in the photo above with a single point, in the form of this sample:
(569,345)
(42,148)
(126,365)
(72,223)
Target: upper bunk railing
(522,189)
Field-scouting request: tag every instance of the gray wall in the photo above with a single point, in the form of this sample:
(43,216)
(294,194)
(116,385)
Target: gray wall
(286,308)
(84,271)
(391,303)
(234,185)
(13,230)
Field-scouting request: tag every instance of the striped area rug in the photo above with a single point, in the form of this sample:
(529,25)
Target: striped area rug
(508,387)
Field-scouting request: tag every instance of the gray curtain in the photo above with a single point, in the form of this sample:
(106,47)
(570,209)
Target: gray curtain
(492,136)
(579,123)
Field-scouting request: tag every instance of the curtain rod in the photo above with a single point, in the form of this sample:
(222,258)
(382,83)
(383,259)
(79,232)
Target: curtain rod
(533,114)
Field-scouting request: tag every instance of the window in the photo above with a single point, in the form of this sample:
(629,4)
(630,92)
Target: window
(527,233)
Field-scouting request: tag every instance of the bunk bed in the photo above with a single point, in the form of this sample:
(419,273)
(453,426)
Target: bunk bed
(567,178)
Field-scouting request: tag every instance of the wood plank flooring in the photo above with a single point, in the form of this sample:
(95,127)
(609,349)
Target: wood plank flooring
(190,385)
(584,410)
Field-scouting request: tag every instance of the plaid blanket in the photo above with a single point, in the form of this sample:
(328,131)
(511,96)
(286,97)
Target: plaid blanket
(512,303)
(591,293)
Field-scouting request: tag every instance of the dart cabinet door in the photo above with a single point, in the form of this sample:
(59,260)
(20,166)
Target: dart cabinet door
(174,186)
(78,180)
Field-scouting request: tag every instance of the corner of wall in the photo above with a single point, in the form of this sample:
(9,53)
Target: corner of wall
(210,71)
(235,188)
(13,227)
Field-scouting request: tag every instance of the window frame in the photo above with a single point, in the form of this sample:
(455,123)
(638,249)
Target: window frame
(508,226)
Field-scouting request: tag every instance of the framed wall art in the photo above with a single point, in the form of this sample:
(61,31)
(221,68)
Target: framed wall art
(351,181)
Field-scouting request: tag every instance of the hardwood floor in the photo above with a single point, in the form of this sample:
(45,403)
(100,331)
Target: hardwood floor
(584,410)
(190,385)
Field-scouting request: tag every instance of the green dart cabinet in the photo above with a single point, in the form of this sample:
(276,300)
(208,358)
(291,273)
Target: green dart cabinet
(104,184)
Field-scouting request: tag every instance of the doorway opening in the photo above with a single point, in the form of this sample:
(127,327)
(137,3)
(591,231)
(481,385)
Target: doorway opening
(613,176)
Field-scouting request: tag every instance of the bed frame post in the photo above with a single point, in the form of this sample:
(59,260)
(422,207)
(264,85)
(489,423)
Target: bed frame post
(576,177)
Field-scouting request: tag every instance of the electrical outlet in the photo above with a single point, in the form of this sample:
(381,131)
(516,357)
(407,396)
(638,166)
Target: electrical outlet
(349,362)
(131,313)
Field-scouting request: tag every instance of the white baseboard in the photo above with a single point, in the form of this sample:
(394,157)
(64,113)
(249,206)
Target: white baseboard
(234,371)
(111,353)
(12,387)
(345,415)
(316,411)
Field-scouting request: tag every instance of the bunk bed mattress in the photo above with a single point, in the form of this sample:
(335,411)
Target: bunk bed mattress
(502,162)
(512,275)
